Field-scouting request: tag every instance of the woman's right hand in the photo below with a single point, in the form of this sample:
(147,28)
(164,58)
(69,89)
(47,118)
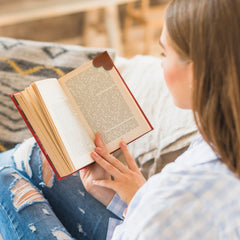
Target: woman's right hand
(96,172)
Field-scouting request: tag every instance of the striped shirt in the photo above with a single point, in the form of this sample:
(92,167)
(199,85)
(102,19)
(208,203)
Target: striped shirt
(195,197)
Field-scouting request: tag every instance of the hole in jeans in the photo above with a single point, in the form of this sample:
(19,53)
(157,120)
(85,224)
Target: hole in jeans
(22,156)
(47,173)
(32,228)
(45,211)
(60,235)
(80,229)
(81,210)
(24,193)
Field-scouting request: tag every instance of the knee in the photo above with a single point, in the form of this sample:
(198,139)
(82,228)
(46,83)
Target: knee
(22,156)
(21,191)
(19,157)
(6,175)
(30,160)
(6,159)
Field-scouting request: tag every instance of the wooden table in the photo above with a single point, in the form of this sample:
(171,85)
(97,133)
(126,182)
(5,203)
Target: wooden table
(29,10)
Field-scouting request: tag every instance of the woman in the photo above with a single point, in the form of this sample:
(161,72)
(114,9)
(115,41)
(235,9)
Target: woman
(196,197)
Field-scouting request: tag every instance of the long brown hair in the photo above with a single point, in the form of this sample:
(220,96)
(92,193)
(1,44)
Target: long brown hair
(207,32)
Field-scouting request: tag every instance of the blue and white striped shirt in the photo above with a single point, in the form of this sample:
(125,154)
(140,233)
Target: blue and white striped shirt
(195,197)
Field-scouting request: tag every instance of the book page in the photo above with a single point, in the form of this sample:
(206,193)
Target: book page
(104,104)
(73,135)
(40,127)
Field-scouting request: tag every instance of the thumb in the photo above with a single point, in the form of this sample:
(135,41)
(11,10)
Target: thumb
(105,183)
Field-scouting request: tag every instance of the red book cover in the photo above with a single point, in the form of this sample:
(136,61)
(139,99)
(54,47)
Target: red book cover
(34,134)
(103,60)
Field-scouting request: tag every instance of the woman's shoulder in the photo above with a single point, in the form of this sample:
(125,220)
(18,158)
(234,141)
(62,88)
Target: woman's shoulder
(197,177)
(186,197)
(198,170)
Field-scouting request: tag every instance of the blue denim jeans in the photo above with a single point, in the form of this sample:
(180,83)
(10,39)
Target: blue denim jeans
(35,205)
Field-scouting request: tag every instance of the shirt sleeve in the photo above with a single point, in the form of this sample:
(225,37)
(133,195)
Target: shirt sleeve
(117,206)
(167,207)
(170,218)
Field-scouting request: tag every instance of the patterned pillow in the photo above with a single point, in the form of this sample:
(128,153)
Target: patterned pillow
(22,62)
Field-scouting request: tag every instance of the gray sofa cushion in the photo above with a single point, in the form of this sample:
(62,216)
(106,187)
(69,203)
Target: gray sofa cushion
(22,62)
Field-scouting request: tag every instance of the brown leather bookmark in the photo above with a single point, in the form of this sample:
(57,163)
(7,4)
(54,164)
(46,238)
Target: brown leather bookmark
(104,60)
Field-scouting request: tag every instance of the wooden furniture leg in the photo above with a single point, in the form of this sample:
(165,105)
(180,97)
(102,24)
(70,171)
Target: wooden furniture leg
(128,21)
(90,25)
(113,28)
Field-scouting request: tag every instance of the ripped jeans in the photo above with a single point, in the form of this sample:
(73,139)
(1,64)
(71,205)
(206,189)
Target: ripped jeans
(35,205)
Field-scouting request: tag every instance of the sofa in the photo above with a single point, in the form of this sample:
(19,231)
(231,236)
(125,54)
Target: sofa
(22,62)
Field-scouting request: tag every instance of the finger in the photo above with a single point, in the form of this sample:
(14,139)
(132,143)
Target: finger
(111,159)
(106,165)
(128,157)
(98,140)
(105,183)
(83,171)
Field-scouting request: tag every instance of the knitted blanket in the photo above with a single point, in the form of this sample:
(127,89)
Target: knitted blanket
(22,62)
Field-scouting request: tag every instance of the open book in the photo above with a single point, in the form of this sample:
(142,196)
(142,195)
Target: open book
(64,115)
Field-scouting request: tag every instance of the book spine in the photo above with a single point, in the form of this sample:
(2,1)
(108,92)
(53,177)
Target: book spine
(33,133)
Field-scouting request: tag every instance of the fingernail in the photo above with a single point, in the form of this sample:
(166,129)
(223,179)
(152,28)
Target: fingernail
(84,170)
(123,144)
(98,149)
(94,155)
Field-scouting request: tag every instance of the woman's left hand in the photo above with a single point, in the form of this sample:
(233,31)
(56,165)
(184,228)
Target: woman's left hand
(127,180)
